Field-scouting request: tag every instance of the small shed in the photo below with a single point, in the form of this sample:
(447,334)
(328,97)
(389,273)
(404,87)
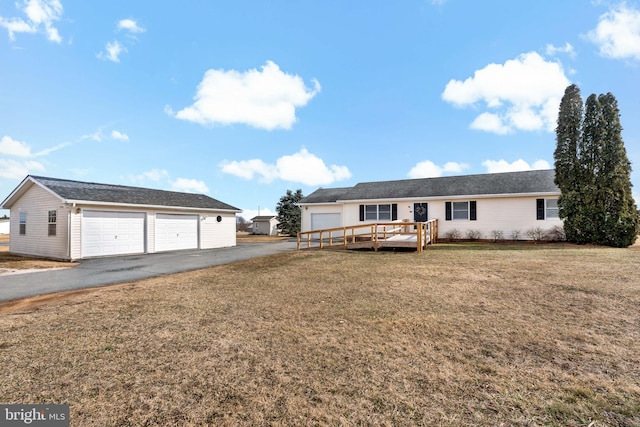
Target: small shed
(266,225)
(69,220)
(4,226)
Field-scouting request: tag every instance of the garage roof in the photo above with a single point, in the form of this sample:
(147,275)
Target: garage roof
(90,192)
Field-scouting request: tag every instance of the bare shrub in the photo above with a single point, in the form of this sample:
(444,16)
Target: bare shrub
(515,235)
(556,234)
(474,235)
(497,235)
(453,234)
(536,234)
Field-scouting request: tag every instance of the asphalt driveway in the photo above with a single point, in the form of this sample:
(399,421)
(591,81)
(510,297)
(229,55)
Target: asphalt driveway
(105,271)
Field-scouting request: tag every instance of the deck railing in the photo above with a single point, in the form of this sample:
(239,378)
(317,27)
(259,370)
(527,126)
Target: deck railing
(374,235)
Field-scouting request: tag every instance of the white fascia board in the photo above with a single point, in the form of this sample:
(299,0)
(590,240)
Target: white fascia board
(157,207)
(461,197)
(339,202)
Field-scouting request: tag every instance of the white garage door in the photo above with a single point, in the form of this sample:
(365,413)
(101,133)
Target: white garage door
(175,232)
(112,233)
(323,221)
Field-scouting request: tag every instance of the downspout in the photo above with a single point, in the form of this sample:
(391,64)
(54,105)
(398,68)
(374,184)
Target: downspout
(69,231)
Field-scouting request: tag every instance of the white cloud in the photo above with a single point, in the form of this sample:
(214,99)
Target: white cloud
(96,136)
(302,167)
(490,122)
(40,14)
(265,99)
(428,169)
(161,177)
(11,147)
(130,25)
(112,51)
(308,169)
(119,135)
(521,94)
(617,34)
(189,186)
(13,169)
(494,166)
(248,168)
(552,50)
(152,175)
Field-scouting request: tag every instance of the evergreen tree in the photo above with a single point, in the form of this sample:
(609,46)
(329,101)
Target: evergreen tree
(568,136)
(593,172)
(619,213)
(289,215)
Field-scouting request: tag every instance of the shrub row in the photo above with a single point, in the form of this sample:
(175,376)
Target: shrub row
(537,234)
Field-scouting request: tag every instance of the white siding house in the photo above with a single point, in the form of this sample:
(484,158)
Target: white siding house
(509,203)
(4,226)
(266,224)
(71,220)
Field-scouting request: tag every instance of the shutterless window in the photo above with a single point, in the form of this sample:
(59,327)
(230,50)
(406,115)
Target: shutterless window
(52,222)
(23,223)
(460,210)
(551,208)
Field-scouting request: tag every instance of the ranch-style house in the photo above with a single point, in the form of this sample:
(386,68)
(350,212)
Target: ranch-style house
(510,203)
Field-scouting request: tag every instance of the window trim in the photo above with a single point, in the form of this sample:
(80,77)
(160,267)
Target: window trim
(23,223)
(52,222)
(471,210)
(542,209)
(367,211)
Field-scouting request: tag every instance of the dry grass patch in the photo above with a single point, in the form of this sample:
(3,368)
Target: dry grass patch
(470,334)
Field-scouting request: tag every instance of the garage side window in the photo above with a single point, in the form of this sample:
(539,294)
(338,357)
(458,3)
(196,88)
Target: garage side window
(52,223)
(23,223)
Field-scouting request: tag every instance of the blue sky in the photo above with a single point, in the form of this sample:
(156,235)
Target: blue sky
(242,100)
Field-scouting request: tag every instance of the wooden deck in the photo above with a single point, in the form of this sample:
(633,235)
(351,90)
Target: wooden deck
(415,235)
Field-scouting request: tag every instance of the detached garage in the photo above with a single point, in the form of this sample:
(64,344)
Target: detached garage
(64,219)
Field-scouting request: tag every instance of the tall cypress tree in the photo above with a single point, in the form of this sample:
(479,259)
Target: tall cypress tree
(590,212)
(568,136)
(593,172)
(619,213)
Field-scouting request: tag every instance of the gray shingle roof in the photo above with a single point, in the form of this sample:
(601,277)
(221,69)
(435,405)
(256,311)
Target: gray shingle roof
(538,181)
(326,195)
(94,192)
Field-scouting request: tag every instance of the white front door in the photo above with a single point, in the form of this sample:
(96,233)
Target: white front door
(112,233)
(174,232)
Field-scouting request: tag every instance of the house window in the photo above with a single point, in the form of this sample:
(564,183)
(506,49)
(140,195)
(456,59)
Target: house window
(460,211)
(371,212)
(23,223)
(547,209)
(52,223)
(386,212)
